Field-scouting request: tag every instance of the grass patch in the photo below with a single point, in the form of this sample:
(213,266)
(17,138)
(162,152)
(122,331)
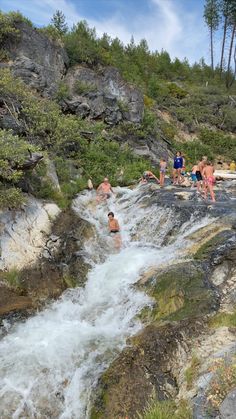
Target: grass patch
(192,371)
(13,279)
(70,281)
(167,409)
(223,319)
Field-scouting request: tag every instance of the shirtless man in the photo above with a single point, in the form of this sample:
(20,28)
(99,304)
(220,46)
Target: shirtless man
(209,180)
(114,229)
(104,190)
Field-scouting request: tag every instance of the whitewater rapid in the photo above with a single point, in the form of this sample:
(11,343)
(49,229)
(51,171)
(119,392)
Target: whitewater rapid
(50,364)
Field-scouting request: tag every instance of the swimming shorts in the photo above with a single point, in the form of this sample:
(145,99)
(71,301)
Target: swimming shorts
(114,231)
(198,175)
(194,177)
(210,180)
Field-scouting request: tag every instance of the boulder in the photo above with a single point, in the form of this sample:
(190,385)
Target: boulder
(38,61)
(228,407)
(103,95)
(23,233)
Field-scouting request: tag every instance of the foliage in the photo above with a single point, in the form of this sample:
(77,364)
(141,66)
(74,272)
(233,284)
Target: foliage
(224,380)
(223,319)
(11,198)
(192,371)
(62,92)
(59,22)
(13,279)
(218,142)
(13,152)
(167,409)
(81,87)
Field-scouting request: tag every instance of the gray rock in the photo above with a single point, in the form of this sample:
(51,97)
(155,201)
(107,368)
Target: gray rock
(228,407)
(106,94)
(36,59)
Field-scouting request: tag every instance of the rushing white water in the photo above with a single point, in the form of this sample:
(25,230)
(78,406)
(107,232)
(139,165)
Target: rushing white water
(50,364)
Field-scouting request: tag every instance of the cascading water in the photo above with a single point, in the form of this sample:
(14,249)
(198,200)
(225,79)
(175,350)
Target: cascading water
(50,364)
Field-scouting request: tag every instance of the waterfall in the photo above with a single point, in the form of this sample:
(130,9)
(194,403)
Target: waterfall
(50,364)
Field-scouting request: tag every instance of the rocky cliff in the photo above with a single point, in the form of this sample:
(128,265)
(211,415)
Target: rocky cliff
(99,93)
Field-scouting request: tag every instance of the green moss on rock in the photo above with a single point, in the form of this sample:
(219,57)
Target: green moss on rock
(180,293)
(208,247)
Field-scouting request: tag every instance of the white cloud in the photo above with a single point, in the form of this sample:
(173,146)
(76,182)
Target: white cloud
(166,25)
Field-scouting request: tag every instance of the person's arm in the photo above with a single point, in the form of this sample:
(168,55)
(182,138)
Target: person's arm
(99,188)
(117,225)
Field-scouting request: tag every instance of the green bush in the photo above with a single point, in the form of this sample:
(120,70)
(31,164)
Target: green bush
(81,87)
(11,198)
(13,279)
(62,92)
(13,152)
(167,409)
(218,142)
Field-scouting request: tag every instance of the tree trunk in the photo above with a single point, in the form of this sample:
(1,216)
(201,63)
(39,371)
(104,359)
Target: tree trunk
(230,56)
(212,55)
(223,45)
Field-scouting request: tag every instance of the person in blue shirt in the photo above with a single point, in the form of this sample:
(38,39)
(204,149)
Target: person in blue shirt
(178,166)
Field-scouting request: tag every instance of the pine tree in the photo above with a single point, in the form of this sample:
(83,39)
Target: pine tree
(232,25)
(212,19)
(59,22)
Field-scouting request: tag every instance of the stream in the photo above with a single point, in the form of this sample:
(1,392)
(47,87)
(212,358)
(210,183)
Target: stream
(50,364)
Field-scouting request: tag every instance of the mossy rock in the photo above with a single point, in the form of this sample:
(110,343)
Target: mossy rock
(179,293)
(211,245)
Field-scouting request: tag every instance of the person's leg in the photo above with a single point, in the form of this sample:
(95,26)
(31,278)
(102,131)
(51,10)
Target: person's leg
(174,176)
(212,193)
(179,180)
(161,178)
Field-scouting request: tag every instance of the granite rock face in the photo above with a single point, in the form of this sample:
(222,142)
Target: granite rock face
(38,61)
(102,94)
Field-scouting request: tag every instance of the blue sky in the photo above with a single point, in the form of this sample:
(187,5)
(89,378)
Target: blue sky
(174,25)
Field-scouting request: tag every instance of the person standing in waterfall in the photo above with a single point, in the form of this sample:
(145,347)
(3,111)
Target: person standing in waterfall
(177,169)
(209,180)
(114,229)
(104,190)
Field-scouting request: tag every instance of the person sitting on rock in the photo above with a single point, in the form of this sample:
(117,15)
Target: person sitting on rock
(104,190)
(150,177)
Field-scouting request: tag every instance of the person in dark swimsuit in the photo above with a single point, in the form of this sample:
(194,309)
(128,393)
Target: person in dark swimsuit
(177,168)
(114,228)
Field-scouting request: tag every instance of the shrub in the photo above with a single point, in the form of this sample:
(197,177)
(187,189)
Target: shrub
(167,409)
(62,92)
(218,142)
(81,87)
(11,198)
(192,371)
(176,91)
(223,319)
(13,279)
(13,151)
